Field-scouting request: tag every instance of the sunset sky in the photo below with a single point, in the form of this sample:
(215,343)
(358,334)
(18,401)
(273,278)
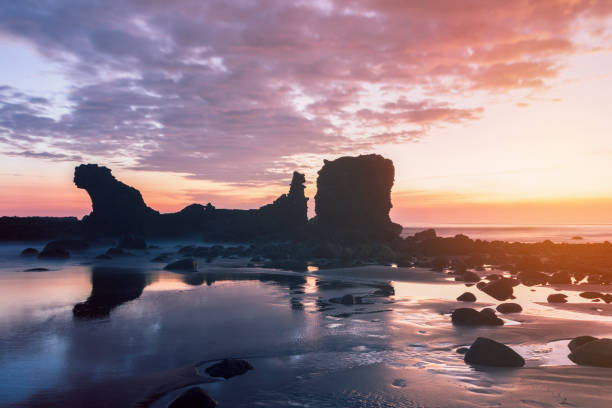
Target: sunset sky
(492,111)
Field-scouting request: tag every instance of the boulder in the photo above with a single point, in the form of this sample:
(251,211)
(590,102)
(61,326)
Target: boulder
(579,341)
(500,289)
(560,278)
(194,397)
(54,253)
(187,264)
(468,276)
(557,298)
(506,308)
(530,278)
(132,242)
(229,368)
(488,352)
(591,295)
(68,245)
(36,270)
(593,353)
(467,297)
(472,317)
(29,252)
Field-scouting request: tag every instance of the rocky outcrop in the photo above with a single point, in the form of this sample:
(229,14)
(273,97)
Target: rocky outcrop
(119,210)
(488,352)
(354,193)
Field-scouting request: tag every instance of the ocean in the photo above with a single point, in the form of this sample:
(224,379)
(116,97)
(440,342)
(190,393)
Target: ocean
(521,233)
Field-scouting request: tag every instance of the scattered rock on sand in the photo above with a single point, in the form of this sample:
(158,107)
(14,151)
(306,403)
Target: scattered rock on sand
(229,368)
(488,352)
(593,353)
(506,308)
(557,298)
(560,278)
(187,264)
(29,252)
(579,341)
(194,397)
(533,278)
(468,276)
(500,289)
(471,317)
(54,253)
(467,297)
(591,295)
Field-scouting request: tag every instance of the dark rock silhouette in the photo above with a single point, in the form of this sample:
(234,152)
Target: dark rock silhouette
(354,194)
(488,352)
(593,353)
(500,289)
(506,308)
(557,298)
(54,253)
(195,397)
(471,317)
(229,368)
(467,297)
(185,265)
(38,228)
(111,287)
(116,207)
(119,210)
(29,252)
(579,341)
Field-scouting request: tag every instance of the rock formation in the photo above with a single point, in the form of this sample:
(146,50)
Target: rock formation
(119,209)
(354,193)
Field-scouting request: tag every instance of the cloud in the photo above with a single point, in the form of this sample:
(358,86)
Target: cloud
(239,91)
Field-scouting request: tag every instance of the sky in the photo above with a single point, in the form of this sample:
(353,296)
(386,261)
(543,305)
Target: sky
(492,111)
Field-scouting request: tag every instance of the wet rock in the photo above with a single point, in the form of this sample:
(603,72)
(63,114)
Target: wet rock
(606,297)
(493,277)
(36,270)
(489,352)
(187,264)
(530,278)
(500,289)
(593,353)
(194,397)
(506,308)
(29,252)
(132,242)
(468,276)
(467,297)
(54,253)
(557,298)
(229,368)
(68,245)
(462,350)
(398,382)
(579,341)
(116,252)
(472,317)
(591,295)
(560,278)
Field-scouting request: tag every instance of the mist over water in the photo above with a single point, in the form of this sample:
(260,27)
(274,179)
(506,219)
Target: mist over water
(521,233)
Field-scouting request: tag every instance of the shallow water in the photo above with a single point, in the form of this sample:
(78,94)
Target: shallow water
(306,349)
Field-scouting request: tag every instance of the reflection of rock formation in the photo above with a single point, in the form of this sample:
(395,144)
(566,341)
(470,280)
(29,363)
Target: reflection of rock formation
(354,193)
(119,209)
(110,287)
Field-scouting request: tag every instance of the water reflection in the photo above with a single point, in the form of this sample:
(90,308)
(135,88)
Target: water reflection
(111,287)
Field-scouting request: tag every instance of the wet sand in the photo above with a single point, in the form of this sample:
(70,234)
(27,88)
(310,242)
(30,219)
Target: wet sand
(396,351)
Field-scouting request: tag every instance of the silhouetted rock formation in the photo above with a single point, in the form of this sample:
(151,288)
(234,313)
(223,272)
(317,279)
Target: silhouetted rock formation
(119,209)
(35,228)
(488,352)
(354,194)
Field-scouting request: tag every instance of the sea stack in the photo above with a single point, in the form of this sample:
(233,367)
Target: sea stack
(354,193)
